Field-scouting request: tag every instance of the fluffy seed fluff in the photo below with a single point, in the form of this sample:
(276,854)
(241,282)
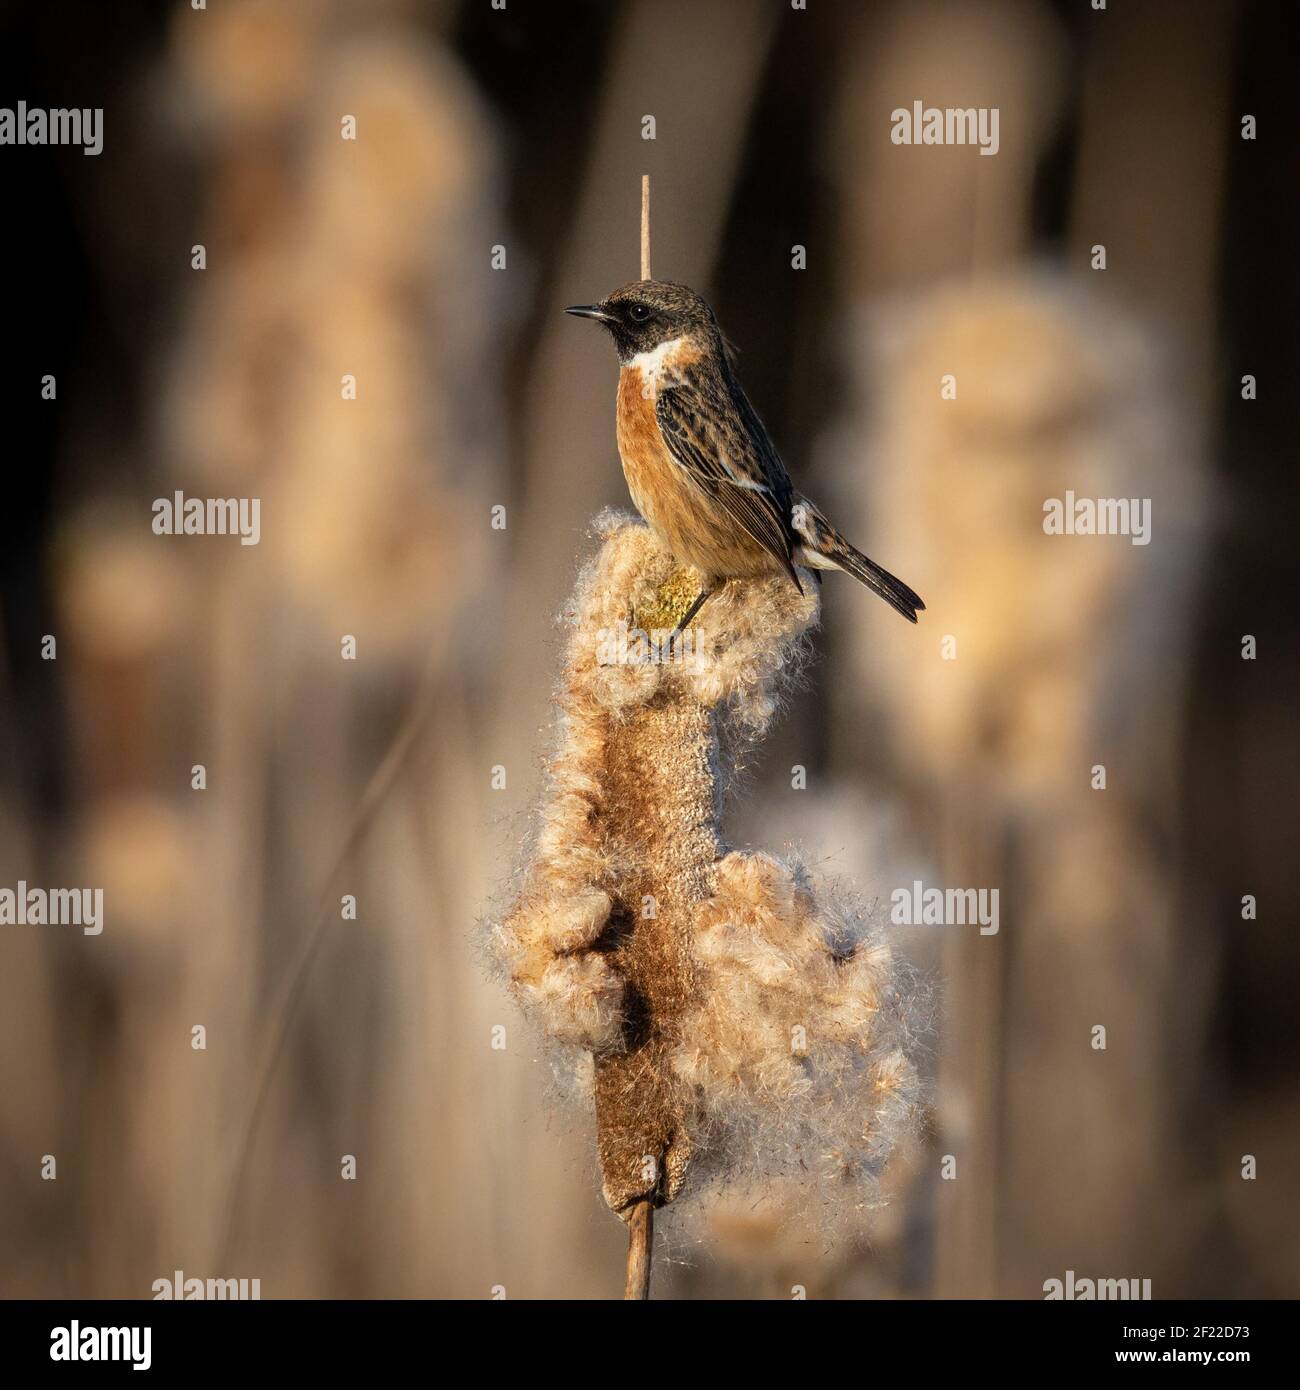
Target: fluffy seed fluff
(743,1023)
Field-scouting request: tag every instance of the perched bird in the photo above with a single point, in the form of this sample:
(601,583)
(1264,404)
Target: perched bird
(699,464)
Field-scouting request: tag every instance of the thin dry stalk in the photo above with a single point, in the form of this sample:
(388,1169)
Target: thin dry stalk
(640,1249)
(645,227)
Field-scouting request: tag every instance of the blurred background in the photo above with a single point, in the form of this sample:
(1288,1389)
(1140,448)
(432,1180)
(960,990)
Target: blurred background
(494,179)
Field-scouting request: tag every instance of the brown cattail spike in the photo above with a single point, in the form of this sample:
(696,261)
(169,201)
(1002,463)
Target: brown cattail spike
(740,1023)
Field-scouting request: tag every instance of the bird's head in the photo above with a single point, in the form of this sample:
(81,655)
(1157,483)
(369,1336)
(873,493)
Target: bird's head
(646,313)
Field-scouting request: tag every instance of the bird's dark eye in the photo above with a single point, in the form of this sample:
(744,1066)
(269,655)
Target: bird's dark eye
(638,313)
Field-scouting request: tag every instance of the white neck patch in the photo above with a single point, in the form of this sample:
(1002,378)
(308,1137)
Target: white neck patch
(656,366)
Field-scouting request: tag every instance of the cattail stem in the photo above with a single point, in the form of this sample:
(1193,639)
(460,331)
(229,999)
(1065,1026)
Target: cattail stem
(640,1243)
(645,226)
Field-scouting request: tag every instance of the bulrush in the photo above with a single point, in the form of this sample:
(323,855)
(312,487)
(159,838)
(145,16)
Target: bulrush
(742,1022)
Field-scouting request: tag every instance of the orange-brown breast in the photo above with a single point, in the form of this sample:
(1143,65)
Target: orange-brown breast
(640,445)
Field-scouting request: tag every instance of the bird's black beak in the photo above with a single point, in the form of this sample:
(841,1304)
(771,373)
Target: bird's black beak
(591,311)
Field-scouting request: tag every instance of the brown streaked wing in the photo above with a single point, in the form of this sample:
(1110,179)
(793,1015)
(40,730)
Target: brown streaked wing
(705,433)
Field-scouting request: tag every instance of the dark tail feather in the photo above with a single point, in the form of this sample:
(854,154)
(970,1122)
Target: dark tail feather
(819,537)
(879,581)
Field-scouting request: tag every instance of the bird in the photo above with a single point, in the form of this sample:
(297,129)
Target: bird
(700,466)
